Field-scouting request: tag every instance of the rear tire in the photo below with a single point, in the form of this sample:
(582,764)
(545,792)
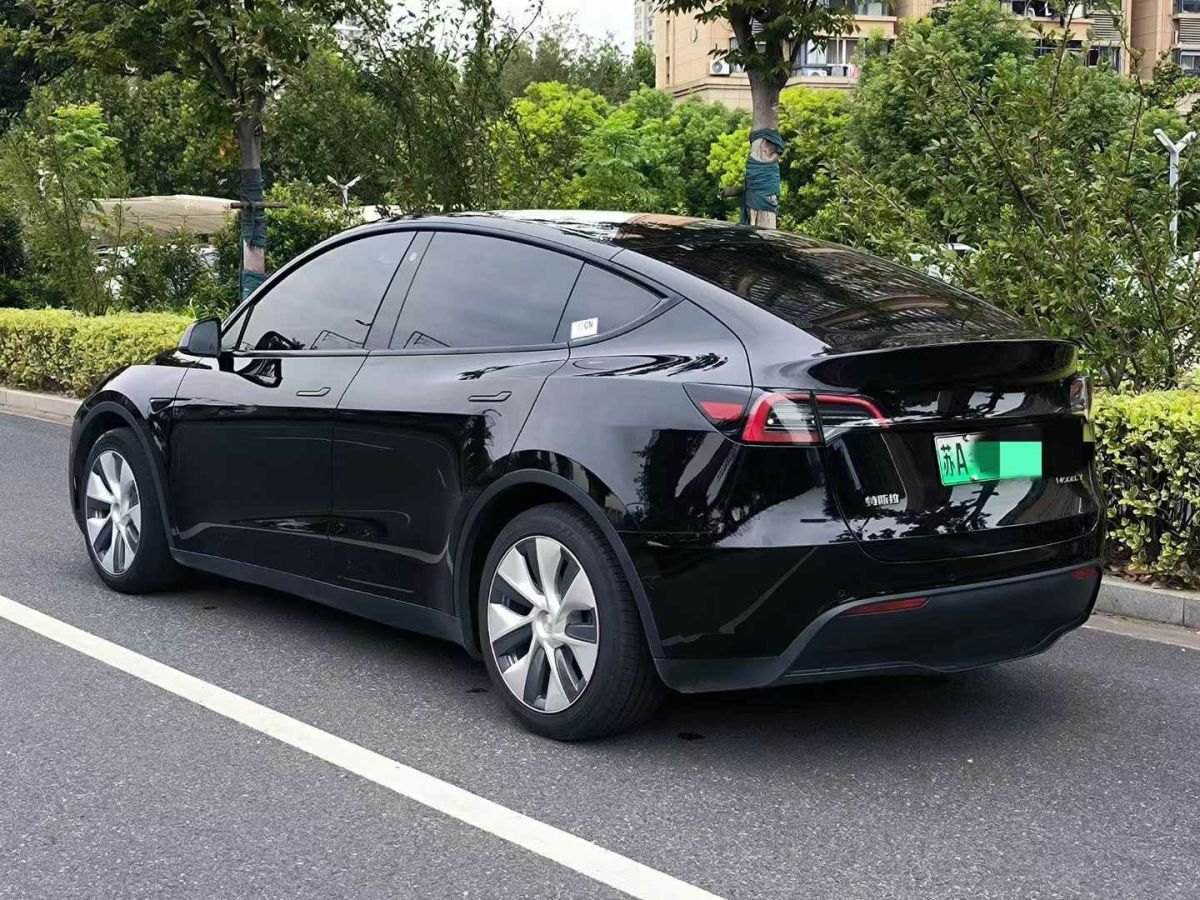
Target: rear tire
(122,519)
(571,662)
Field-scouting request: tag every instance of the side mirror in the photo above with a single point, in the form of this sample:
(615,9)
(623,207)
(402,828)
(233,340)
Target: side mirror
(202,338)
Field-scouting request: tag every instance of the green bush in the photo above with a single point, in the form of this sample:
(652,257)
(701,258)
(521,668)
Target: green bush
(12,256)
(163,273)
(65,352)
(1148,449)
(311,215)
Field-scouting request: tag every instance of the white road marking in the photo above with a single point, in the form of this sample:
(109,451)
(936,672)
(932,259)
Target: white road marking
(575,853)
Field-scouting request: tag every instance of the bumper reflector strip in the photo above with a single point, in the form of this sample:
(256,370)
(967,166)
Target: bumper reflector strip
(886,606)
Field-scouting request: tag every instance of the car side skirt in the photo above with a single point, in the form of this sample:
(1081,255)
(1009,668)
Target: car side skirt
(408,616)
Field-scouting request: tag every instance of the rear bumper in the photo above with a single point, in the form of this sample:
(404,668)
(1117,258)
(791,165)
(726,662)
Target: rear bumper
(958,628)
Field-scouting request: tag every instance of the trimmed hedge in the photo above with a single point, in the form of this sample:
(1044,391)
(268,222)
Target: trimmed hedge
(64,352)
(1148,454)
(1147,445)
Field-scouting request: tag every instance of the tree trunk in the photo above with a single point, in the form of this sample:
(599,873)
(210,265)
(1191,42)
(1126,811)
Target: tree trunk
(253,216)
(765,97)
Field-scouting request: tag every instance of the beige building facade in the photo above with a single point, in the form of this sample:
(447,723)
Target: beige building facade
(1168,29)
(687,64)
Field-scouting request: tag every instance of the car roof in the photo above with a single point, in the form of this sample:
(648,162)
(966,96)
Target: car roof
(604,227)
(845,298)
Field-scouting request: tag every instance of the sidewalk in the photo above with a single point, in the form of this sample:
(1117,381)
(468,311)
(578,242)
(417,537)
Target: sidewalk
(40,406)
(1121,597)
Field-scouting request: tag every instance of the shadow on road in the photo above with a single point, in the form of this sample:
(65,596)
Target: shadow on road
(867,721)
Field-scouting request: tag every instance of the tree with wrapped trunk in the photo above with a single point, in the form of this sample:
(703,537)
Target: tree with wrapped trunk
(238,51)
(770,37)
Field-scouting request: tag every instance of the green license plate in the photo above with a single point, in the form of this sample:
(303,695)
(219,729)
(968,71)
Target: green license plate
(967,458)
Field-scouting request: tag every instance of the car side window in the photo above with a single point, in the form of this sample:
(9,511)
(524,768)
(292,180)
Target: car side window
(472,290)
(329,302)
(602,302)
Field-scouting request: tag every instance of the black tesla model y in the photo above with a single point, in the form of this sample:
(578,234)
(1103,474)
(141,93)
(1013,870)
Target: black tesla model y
(610,453)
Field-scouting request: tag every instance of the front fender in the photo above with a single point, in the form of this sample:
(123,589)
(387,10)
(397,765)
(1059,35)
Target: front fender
(139,398)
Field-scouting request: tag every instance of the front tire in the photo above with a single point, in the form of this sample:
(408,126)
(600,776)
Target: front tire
(122,520)
(560,631)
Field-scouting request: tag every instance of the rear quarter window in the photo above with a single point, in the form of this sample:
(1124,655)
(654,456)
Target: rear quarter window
(602,302)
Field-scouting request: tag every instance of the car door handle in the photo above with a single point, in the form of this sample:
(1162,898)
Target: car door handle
(319,392)
(490,398)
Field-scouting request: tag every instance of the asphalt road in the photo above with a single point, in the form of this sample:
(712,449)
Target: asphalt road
(1074,774)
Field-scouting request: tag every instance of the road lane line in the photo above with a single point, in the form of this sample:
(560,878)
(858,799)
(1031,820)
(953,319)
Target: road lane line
(575,853)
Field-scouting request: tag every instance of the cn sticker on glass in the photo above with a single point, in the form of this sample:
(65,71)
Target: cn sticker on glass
(584,328)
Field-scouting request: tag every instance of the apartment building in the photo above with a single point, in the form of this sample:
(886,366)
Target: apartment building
(687,66)
(644,14)
(1167,28)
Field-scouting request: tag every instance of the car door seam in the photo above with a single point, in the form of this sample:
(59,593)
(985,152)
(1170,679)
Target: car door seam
(532,407)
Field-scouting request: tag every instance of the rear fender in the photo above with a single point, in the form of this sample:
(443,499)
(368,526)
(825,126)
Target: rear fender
(561,476)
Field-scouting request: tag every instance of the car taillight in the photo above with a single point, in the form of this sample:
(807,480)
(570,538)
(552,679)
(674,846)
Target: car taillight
(839,413)
(1081,396)
(783,417)
(723,405)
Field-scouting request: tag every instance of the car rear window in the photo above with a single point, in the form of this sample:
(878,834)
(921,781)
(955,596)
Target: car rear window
(837,294)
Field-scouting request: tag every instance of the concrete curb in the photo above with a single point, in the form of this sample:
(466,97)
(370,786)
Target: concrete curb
(43,406)
(1120,597)
(1117,597)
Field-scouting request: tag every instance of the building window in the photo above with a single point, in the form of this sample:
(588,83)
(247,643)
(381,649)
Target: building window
(1189,61)
(1105,55)
(835,59)
(871,8)
(1187,6)
(1108,55)
(1034,9)
(735,67)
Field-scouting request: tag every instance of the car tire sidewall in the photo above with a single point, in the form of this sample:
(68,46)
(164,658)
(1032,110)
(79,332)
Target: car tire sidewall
(549,522)
(152,557)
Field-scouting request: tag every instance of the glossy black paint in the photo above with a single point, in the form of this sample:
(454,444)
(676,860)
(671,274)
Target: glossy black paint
(418,437)
(251,457)
(373,478)
(202,338)
(958,628)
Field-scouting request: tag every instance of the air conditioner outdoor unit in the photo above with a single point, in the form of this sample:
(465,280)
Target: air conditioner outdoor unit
(719,67)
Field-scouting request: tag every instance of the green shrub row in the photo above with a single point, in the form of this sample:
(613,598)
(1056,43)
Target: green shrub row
(1147,445)
(64,352)
(1148,454)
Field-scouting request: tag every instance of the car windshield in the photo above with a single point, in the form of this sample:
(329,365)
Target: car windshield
(840,296)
